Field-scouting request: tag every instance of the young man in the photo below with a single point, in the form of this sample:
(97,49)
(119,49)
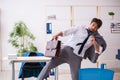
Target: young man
(84,43)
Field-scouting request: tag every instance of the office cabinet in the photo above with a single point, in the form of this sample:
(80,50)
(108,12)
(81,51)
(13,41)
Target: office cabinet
(104,10)
(59,16)
(82,15)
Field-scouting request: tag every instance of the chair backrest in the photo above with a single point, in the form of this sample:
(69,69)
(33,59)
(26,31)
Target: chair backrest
(31,68)
(95,74)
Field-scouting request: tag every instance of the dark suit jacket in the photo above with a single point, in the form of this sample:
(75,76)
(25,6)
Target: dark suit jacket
(90,52)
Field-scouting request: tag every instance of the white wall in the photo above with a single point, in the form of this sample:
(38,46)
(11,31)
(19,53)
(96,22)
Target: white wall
(29,11)
(33,13)
(0,41)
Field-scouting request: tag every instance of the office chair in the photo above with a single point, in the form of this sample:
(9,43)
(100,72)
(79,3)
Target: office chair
(95,74)
(31,69)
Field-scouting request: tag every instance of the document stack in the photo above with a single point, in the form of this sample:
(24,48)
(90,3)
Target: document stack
(12,56)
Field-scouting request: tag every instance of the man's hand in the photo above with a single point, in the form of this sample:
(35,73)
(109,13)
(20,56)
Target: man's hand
(96,46)
(57,35)
(93,39)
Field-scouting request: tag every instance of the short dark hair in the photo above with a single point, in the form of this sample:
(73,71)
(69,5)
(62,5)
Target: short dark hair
(98,21)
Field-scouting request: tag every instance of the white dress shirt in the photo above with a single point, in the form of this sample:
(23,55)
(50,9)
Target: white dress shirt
(78,35)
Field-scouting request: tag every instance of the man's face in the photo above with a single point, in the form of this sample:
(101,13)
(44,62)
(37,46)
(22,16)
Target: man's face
(93,26)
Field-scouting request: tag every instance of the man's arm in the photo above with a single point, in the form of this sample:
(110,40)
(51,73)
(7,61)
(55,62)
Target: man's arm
(66,32)
(95,44)
(57,35)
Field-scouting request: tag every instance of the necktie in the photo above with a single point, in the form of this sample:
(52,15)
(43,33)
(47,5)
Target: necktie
(82,44)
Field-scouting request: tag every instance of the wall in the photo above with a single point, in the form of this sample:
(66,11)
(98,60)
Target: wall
(0,40)
(34,12)
(112,39)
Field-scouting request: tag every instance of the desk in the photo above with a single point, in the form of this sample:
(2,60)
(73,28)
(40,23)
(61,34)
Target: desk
(30,59)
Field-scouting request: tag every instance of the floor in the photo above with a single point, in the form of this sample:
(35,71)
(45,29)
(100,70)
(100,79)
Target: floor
(6,75)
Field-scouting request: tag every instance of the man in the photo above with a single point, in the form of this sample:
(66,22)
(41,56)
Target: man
(84,43)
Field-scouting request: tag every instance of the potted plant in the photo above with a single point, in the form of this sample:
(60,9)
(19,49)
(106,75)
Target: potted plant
(22,39)
(111,14)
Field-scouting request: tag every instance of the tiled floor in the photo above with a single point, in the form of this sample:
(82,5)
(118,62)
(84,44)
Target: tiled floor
(6,75)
